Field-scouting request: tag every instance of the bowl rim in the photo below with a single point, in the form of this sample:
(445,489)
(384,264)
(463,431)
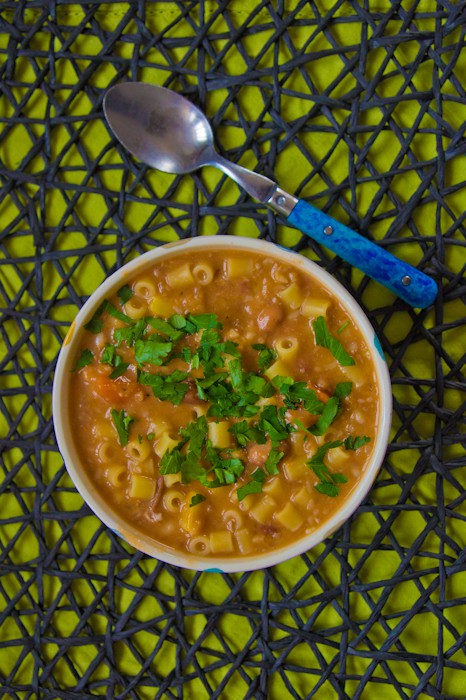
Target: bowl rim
(132,535)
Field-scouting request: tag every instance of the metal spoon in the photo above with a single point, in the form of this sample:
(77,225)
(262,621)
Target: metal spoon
(166,131)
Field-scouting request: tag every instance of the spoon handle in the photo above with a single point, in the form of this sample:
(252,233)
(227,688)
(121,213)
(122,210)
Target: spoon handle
(411,285)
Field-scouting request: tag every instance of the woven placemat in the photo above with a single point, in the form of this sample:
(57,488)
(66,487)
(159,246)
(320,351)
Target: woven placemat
(358,107)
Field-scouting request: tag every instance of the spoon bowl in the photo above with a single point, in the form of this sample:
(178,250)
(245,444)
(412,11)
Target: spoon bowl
(159,127)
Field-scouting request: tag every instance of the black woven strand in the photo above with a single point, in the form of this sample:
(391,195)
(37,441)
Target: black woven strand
(378,609)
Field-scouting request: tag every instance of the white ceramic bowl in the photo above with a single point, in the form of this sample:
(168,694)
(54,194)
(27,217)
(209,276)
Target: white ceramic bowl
(108,515)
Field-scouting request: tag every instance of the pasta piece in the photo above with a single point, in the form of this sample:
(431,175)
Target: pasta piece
(180,277)
(295,469)
(273,487)
(199,545)
(116,475)
(239,267)
(135,308)
(146,468)
(290,517)
(337,457)
(103,429)
(141,487)
(158,306)
(355,374)
(313,308)
(164,443)
(107,451)
(138,451)
(221,541)
(243,538)
(302,498)
(233,520)
(144,288)
(287,348)
(203,273)
(191,518)
(247,502)
(291,296)
(172,500)
(218,434)
(199,411)
(263,510)
(171,479)
(277,369)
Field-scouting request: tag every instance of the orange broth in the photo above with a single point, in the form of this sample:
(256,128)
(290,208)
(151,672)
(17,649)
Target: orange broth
(257,464)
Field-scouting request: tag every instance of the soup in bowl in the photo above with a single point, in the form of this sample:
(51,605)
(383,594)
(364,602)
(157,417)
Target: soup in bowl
(222,404)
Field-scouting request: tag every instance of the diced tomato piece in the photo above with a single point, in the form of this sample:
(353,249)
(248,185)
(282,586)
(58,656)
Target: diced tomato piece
(114,391)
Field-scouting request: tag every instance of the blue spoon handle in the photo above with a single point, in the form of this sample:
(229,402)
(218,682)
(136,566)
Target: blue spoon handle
(411,285)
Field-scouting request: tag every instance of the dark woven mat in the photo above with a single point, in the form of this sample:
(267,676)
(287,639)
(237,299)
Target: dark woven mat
(358,107)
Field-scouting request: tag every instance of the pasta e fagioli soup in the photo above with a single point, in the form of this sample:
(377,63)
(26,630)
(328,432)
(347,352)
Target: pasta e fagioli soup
(219,405)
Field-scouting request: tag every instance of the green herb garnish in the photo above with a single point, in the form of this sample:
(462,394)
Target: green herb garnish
(169,387)
(354,443)
(125,293)
(196,499)
(129,334)
(254,486)
(85,358)
(122,423)
(324,338)
(266,356)
(327,416)
(328,481)
(152,351)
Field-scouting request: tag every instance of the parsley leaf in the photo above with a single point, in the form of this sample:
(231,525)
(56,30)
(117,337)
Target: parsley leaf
(196,434)
(327,416)
(271,463)
(245,433)
(129,334)
(324,338)
(354,443)
(122,424)
(84,359)
(95,323)
(272,422)
(111,357)
(119,370)
(328,481)
(254,486)
(125,293)
(298,394)
(196,499)
(166,328)
(266,355)
(110,309)
(169,387)
(343,389)
(152,351)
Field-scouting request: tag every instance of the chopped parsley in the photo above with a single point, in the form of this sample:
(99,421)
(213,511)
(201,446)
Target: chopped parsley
(112,358)
(354,443)
(166,387)
(122,424)
(85,358)
(254,486)
(129,334)
(324,338)
(151,351)
(125,293)
(328,481)
(196,499)
(216,373)
(266,356)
